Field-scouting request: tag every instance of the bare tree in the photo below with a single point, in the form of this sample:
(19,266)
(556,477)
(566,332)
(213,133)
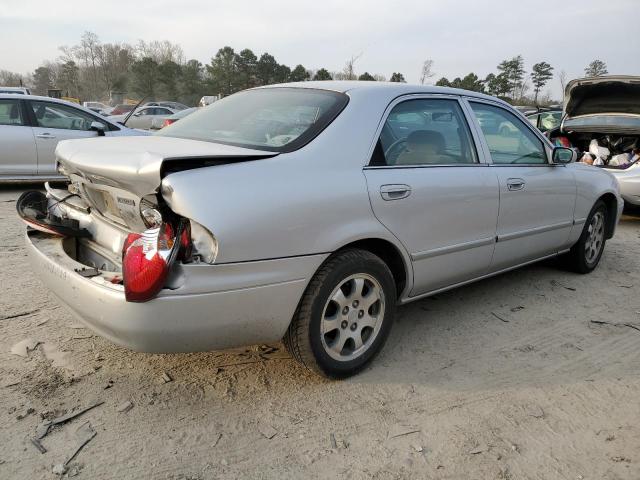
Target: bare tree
(10,79)
(161,51)
(427,72)
(563,80)
(348,71)
(114,60)
(87,51)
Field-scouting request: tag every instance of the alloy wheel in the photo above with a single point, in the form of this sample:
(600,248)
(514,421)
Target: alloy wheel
(595,238)
(352,317)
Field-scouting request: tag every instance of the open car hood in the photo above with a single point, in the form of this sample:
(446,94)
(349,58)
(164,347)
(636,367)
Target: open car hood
(607,95)
(137,164)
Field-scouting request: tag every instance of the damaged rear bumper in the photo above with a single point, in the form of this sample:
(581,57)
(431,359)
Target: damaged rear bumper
(215,306)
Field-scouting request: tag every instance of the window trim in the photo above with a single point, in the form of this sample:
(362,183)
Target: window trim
(427,96)
(485,146)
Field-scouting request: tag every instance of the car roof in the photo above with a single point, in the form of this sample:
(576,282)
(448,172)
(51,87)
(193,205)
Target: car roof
(384,89)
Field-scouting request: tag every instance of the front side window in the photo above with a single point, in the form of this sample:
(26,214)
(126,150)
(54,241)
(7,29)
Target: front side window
(425,132)
(273,119)
(10,112)
(508,138)
(56,115)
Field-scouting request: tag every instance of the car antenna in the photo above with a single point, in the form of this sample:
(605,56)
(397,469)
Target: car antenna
(124,122)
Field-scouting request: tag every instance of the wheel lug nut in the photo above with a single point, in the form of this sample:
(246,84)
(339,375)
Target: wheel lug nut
(361,314)
(355,304)
(344,324)
(354,326)
(345,310)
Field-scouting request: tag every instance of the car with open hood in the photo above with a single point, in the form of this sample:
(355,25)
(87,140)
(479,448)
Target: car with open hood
(601,119)
(308,212)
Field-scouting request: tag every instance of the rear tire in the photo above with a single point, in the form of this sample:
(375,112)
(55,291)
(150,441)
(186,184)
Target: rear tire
(585,255)
(344,316)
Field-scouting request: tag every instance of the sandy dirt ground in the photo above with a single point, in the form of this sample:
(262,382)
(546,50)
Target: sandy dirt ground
(509,378)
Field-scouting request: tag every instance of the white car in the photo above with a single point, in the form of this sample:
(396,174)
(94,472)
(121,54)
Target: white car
(144,117)
(15,90)
(32,126)
(98,107)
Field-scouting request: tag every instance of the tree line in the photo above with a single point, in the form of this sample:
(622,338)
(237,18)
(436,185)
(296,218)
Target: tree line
(92,70)
(512,83)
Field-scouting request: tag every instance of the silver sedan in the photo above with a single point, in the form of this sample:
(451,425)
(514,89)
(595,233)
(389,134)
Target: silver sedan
(31,127)
(308,212)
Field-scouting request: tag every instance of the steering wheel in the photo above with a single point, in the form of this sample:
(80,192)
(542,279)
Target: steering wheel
(391,151)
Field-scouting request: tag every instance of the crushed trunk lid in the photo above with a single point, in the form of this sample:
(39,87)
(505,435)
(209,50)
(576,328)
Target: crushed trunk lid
(120,176)
(135,164)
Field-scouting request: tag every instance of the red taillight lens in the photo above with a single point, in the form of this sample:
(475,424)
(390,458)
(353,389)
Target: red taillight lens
(167,122)
(146,259)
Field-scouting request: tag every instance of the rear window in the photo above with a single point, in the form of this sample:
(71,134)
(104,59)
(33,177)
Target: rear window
(273,119)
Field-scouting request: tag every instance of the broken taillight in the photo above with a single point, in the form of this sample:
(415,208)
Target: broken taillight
(147,258)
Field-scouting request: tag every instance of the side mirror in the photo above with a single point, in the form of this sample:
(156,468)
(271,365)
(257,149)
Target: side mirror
(98,127)
(563,155)
(137,114)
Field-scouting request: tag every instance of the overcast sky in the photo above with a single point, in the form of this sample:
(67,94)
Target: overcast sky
(460,36)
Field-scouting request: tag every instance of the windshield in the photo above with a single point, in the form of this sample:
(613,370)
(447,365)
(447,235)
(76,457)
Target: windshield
(274,119)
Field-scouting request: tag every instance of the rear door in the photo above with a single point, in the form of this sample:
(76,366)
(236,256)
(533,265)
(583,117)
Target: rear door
(54,122)
(537,197)
(428,186)
(18,155)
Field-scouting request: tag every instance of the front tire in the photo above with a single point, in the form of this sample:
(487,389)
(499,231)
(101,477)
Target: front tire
(585,255)
(344,316)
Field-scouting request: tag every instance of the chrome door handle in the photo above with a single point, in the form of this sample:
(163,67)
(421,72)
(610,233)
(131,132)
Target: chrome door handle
(45,136)
(395,192)
(514,184)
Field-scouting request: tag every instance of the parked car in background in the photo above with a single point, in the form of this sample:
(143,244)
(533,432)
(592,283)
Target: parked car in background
(602,118)
(158,123)
(122,109)
(208,100)
(143,117)
(545,119)
(98,107)
(309,211)
(171,105)
(32,126)
(17,90)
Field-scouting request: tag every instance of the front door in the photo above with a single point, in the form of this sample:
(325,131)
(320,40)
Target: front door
(55,122)
(537,198)
(428,187)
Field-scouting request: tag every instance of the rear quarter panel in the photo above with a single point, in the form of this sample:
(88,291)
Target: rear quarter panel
(591,184)
(310,201)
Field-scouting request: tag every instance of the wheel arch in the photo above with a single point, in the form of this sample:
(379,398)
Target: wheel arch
(389,254)
(611,202)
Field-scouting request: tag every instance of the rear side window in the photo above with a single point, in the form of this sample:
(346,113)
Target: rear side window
(509,140)
(10,112)
(278,119)
(425,132)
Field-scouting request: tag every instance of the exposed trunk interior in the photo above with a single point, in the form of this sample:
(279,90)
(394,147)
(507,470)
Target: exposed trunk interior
(615,151)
